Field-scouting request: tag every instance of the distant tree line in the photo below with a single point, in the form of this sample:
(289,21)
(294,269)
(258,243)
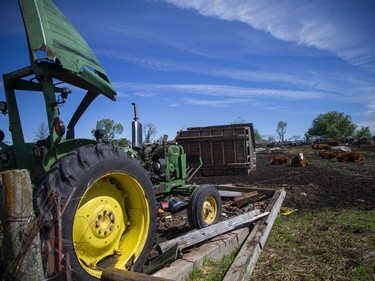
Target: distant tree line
(336,125)
(332,125)
(110,130)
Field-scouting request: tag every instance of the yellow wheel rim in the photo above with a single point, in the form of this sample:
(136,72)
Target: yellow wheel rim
(111,223)
(209,210)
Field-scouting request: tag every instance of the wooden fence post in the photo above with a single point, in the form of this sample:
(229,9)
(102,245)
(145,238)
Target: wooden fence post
(21,251)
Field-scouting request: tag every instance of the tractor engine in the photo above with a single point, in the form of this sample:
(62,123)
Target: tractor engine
(164,162)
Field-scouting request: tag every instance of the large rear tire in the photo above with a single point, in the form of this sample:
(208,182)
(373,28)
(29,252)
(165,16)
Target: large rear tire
(110,219)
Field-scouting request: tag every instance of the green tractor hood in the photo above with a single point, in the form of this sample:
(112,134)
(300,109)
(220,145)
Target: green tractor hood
(50,34)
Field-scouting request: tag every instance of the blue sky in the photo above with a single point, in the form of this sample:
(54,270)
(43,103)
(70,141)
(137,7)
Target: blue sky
(190,63)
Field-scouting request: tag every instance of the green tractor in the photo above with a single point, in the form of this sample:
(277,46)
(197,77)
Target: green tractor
(97,203)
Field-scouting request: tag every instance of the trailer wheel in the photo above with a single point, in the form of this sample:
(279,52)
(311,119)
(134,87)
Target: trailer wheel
(110,219)
(204,206)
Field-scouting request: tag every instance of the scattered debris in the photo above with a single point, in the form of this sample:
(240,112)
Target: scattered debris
(285,211)
(341,148)
(369,254)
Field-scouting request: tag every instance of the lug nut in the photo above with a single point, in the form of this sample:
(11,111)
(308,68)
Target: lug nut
(117,252)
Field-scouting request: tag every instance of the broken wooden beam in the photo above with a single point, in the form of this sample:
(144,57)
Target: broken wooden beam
(211,231)
(246,259)
(246,188)
(226,193)
(248,197)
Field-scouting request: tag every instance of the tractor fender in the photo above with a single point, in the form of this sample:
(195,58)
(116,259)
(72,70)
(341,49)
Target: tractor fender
(61,149)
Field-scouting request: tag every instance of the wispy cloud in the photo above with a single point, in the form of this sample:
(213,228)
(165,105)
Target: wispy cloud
(218,91)
(339,27)
(216,103)
(338,82)
(371,108)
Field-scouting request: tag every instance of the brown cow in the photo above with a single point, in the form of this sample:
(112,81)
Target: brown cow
(314,146)
(300,160)
(319,146)
(352,156)
(333,143)
(274,160)
(323,154)
(328,155)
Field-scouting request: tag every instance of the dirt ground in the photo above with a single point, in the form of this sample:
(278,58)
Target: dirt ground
(324,184)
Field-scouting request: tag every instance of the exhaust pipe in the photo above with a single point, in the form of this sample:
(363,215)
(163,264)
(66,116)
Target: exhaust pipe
(136,130)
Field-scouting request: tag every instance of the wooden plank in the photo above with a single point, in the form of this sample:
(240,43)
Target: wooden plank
(213,138)
(246,259)
(273,215)
(239,125)
(206,233)
(230,187)
(226,193)
(248,197)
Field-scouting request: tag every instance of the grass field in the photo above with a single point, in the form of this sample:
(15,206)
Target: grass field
(321,245)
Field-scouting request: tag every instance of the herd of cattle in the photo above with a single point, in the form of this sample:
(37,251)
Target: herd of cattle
(326,151)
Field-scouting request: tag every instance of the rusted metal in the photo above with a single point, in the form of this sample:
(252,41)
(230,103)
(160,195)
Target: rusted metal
(54,247)
(68,270)
(115,274)
(162,260)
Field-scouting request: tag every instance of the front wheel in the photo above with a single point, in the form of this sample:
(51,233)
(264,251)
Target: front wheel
(204,206)
(110,219)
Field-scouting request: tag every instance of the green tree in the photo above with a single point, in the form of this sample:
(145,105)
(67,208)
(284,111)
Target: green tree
(42,133)
(295,137)
(239,121)
(258,137)
(281,129)
(332,125)
(123,142)
(109,128)
(363,132)
(271,139)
